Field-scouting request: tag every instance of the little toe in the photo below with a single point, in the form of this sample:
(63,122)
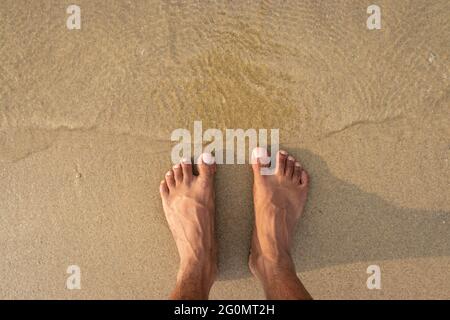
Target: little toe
(304,178)
(163,189)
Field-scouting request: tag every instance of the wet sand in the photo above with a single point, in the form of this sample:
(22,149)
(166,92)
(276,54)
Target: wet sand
(86,117)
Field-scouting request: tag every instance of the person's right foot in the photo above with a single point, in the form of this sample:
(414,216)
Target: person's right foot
(279,200)
(188,203)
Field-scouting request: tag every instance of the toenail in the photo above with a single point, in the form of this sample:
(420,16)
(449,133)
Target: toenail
(259,152)
(177,166)
(185,161)
(208,158)
(290,158)
(168,173)
(284,153)
(297,164)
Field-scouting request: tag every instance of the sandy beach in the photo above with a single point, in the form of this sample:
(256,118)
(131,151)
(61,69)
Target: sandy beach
(86,118)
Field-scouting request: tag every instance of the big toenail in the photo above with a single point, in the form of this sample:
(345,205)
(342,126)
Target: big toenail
(259,153)
(208,158)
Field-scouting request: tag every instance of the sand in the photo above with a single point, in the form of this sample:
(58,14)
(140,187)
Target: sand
(86,117)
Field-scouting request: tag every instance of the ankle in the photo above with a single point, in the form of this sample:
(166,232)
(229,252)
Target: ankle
(266,269)
(203,271)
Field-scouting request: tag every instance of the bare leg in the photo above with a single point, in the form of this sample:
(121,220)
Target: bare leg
(188,203)
(279,202)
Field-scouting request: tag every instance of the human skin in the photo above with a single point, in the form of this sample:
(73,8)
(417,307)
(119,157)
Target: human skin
(279,199)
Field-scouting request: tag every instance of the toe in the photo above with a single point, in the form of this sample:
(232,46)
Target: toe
(297,172)
(281,162)
(163,189)
(259,159)
(170,180)
(206,165)
(289,167)
(186,167)
(178,173)
(304,178)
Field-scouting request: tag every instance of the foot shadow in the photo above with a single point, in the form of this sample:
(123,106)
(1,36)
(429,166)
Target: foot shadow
(342,224)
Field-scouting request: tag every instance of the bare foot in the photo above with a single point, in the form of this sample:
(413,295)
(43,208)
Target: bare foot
(279,200)
(188,203)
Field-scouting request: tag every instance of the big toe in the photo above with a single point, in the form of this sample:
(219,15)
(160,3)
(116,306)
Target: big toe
(206,165)
(260,159)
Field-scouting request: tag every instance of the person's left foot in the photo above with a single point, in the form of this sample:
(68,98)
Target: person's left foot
(279,200)
(188,202)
